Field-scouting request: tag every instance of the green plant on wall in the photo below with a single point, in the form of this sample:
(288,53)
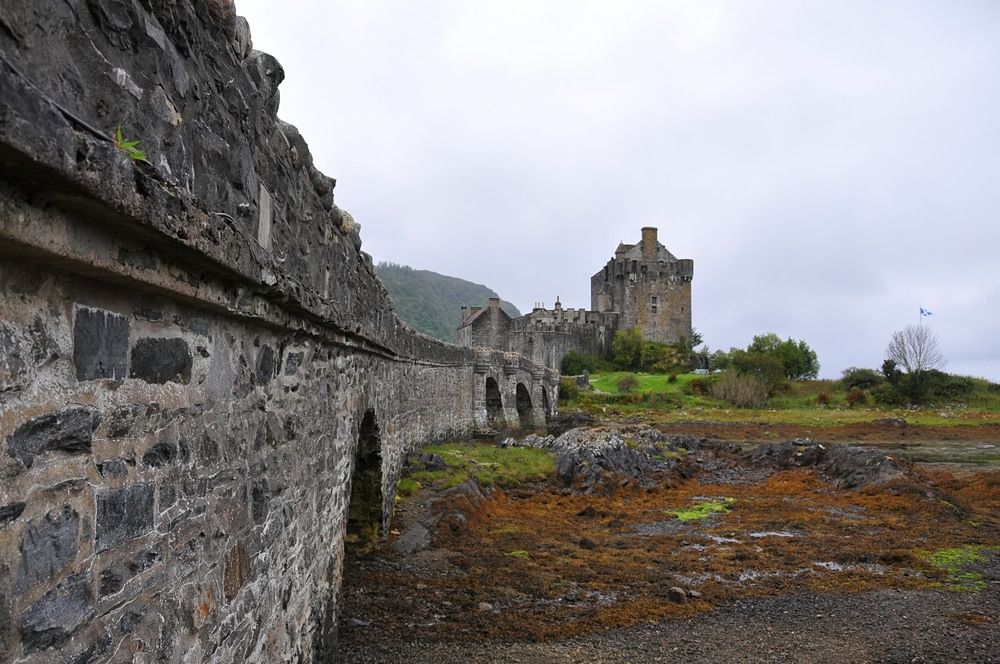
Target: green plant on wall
(130,148)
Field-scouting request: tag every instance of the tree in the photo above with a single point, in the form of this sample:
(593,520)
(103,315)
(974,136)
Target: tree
(917,348)
(626,349)
(798,360)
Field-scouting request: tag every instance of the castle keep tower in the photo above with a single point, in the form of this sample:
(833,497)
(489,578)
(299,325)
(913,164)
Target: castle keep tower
(649,287)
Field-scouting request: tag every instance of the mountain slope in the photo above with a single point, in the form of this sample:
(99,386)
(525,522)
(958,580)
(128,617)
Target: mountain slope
(431,302)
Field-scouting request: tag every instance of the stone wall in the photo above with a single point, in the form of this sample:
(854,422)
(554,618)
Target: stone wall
(484,328)
(649,287)
(546,336)
(188,349)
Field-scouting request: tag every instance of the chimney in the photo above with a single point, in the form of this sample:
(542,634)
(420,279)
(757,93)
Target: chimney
(465,313)
(474,310)
(494,302)
(649,244)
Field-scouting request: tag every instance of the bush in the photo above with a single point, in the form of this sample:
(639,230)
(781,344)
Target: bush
(864,379)
(568,390)
(855,395)
(626,349)
(672,378)
(823,399)
(742,390)
(768,369)
(575,363)
(887,395)
(627,384)
(699,386)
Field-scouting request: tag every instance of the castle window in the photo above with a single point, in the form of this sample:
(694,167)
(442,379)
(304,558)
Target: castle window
(652,305)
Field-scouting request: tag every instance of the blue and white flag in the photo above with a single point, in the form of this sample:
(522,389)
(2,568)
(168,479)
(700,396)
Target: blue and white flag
(924,312)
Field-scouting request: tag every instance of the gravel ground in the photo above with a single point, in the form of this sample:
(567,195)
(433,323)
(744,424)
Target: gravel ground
(884,626)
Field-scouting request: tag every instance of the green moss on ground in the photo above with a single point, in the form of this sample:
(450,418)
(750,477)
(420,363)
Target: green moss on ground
(489,464)
(957,562)
(704,509)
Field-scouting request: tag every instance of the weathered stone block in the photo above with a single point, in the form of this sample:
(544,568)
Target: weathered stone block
(53,618)
(112,581)
(236,571)
(100,344)
(124,514)
(265,365)
(48,545)
(69,430)
(10,512)
(292,363)
(160,361)
(15,371)
(160,454)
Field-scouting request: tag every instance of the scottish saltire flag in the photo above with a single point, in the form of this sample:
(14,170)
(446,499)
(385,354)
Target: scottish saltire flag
(924,312)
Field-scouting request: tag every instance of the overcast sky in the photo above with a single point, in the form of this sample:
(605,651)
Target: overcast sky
(830,166)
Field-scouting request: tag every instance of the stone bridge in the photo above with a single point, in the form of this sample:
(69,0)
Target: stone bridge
(202,383)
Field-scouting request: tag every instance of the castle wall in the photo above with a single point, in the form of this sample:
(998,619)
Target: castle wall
(546,336)
(188,348)
(634,277)
(487,330)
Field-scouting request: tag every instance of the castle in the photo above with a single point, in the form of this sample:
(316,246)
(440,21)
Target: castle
(643,285)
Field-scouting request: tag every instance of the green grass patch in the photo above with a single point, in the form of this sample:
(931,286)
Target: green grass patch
(657,400)
(957,562)
(656,383)
(519,553)
(704,509)
(407,486)
(488,464)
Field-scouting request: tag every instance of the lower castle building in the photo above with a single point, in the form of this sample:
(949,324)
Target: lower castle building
(642,286)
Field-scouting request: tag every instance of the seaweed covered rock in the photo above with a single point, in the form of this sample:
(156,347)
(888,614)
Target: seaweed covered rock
(846,466)
(600,459)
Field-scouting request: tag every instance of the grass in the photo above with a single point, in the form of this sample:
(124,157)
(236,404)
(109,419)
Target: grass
(957,561)
(658,383)
(704,509)
(408,486)
(488,464)
(658,400)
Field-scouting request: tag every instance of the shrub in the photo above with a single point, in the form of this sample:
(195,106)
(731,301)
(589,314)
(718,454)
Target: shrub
(855,395)
(864,379)
(887,395)
(744,391)
(626,349)
(663,400)
(700,386)
(672,378)
(568,390)
(575,363)
(823,399)
(627,384)
(768,369)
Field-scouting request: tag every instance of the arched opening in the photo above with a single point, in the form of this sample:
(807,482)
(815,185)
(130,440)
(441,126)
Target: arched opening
(545,403)
(364,512)
(523,401)
(364,530)
(494,402)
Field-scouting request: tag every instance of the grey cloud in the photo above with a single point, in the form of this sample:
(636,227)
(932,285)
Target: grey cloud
(830,166)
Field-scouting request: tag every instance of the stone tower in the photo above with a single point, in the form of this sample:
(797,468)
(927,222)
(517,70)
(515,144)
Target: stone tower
(649,287)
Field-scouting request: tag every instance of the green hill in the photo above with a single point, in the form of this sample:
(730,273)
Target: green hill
(432,302)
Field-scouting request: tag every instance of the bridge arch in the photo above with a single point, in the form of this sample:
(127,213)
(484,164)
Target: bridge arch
(494,402)
(522,399)
(364,510)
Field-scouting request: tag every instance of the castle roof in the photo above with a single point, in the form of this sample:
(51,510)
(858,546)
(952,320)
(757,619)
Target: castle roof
(635,253)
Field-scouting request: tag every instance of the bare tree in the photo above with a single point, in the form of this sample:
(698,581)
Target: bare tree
(916,349)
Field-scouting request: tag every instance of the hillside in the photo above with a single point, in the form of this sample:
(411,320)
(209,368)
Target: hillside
(431,302)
